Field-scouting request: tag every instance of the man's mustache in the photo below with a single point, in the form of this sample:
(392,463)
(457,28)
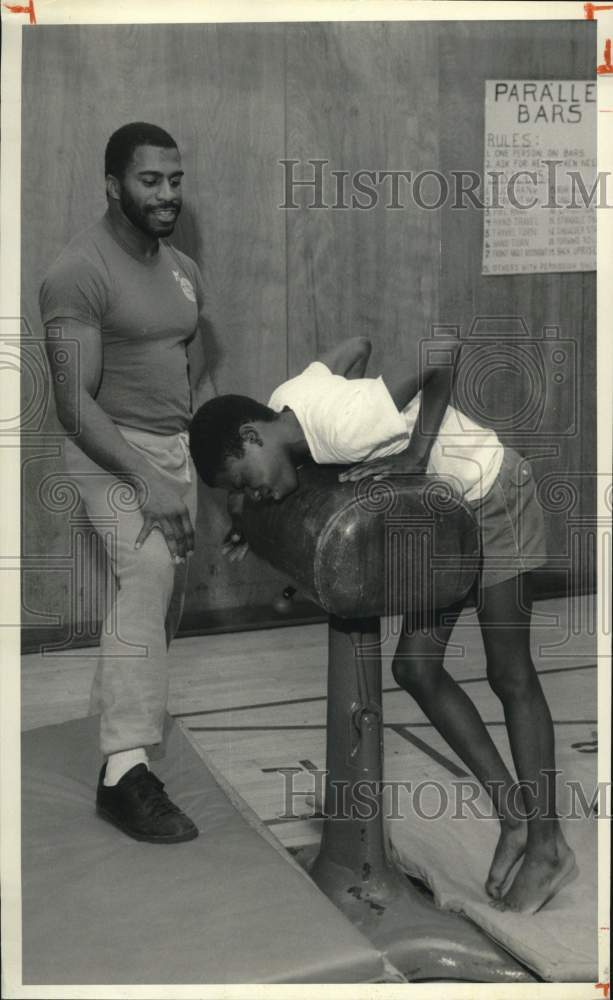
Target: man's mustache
(176,206)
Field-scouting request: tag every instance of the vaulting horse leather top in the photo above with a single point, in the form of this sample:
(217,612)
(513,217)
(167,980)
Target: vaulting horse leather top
(370,548)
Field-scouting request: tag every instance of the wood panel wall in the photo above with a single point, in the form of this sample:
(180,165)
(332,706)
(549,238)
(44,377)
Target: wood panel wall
(217,91)
(562,434)
(364,97)
(281,284)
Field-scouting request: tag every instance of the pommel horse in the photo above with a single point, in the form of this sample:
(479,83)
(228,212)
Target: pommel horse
(361,551)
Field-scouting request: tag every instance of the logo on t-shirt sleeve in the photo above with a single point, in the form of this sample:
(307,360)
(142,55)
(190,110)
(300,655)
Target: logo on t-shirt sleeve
(186,286)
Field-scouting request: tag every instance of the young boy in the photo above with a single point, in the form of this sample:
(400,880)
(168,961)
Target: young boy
(333,414)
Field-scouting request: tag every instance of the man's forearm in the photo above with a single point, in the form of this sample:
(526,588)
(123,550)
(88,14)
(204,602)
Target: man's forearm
(99,438)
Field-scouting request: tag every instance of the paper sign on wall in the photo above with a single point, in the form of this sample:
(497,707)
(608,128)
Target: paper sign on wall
(540,176)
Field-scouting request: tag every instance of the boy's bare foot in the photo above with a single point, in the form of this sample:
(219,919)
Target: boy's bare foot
(539,878)
(510,847)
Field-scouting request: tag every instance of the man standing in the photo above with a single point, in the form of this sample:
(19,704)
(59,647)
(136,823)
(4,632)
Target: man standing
(130,304)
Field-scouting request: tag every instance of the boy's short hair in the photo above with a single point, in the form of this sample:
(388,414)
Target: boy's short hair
(214,432)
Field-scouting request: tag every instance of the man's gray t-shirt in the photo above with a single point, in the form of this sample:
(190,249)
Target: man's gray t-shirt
(146,310)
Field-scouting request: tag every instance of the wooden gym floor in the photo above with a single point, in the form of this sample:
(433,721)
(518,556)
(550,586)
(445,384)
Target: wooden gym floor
(255,701)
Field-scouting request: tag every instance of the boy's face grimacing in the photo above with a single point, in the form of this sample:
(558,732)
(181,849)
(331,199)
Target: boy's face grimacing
(263,472)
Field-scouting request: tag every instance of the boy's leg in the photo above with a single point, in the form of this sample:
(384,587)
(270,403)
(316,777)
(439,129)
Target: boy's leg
(418,668)
(504,614)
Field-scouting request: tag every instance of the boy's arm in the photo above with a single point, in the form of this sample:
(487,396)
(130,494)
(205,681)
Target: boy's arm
(435,397)
(436,384)
(349,358)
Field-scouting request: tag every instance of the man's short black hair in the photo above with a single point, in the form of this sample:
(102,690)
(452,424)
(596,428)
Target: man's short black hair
(120,147)
(214,432)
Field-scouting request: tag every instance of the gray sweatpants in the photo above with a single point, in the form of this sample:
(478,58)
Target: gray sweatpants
(130,688)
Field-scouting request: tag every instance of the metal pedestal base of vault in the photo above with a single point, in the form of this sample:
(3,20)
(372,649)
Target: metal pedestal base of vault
(353,867)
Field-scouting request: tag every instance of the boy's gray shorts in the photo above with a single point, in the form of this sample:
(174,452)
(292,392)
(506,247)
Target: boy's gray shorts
(511,523)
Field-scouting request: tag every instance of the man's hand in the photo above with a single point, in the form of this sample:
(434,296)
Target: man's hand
(381,467)
(235,546)
(163,508)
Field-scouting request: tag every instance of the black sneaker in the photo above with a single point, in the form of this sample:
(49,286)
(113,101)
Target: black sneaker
(140,807)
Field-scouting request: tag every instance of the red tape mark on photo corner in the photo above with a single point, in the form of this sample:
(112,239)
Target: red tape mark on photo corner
(604,987)
(19,9)
(606,66)
(591,8)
